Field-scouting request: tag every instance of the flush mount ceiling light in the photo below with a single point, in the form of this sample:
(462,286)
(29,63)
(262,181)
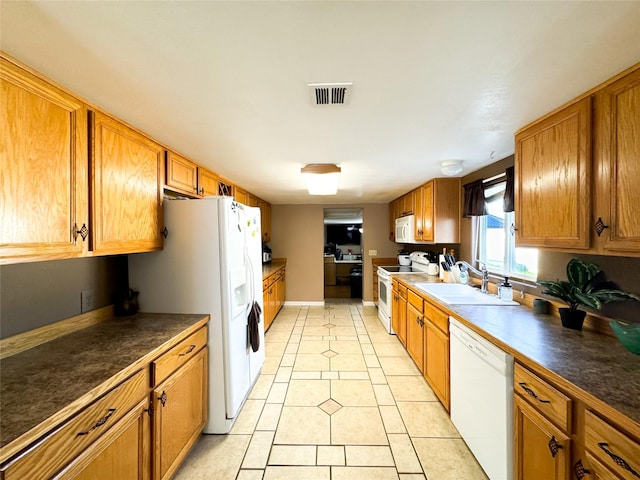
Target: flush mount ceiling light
(321,178)
(451,168)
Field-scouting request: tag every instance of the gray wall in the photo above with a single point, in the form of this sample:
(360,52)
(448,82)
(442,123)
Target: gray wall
(37,294)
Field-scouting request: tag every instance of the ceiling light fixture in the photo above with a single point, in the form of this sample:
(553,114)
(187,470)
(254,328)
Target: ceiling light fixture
(321,178)
(451,168)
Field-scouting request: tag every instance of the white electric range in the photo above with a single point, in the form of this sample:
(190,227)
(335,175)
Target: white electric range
(419,263)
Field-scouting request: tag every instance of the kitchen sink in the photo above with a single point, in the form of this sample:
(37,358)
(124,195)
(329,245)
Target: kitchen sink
(458,294)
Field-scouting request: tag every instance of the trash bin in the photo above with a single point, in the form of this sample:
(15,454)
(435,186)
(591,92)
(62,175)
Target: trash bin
(355,277)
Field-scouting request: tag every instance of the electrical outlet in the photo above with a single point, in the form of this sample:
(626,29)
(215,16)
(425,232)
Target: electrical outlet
(87,301)
(373,253)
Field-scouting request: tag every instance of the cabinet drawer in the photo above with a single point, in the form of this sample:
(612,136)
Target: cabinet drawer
(543,397)
(612,448)
(265,283)
(178,355)
(415,300)
(597,471)
(437,317)
(403,291)
(58,448)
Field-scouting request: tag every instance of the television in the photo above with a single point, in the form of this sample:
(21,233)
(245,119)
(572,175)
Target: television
(345,234)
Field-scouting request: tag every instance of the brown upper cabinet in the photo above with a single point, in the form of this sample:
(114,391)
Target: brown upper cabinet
(617,151)
(437,211)
(187,177)
(126,193)
(43,140)
(577,173)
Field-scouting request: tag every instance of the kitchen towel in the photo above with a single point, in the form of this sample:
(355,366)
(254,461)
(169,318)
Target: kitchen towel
(254,321)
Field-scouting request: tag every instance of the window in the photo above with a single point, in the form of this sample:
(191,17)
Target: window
(496,245)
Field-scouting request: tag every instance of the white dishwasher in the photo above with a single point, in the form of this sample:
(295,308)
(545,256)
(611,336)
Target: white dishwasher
(482,399)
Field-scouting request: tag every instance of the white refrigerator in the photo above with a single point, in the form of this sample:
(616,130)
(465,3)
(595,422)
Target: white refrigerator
(211,263)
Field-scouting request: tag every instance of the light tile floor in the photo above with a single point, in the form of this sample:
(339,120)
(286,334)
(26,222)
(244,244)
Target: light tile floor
(338,398)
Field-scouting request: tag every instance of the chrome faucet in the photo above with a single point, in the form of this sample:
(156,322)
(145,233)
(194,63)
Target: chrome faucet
(483,273)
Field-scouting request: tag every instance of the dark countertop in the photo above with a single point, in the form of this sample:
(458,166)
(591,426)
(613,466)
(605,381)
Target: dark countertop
(275,265)
(43,381)
(595,363)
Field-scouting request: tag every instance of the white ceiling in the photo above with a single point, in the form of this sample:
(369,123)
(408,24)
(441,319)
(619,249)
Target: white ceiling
(225,82)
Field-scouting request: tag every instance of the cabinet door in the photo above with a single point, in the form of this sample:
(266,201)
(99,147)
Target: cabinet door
(402,319)
(427,213)
(415,340)
(395,309)
(43,168)
(267,312)
(126,189)
(418,209)
(375,285)
(240,195)
(617,157)
(180,412)
(265,220)
(282,288)
(541,451)
(181,174)
(436,361)
(122,453)
(553,180)
(208,182)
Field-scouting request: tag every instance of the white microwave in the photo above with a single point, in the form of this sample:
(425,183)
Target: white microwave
(404,229)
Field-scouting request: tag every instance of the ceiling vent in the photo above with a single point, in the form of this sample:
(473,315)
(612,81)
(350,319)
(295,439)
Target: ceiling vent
(330,93)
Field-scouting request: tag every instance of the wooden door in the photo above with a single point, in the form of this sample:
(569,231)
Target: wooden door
(126,190)
(208,182)
(282,288)
(415,340)
(541,451)
(395,308)
(401,333)
(436,361)
(418,216)
(553,180)
(268,317)
(122,453)
(181,175)
(43,169)
(265,220)
(240,195)
(617,153)
(428,212)
(180,412)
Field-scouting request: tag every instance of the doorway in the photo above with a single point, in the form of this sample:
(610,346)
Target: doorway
(343,234)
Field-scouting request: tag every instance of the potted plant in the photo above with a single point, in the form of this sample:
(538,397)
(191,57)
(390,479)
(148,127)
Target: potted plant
(586,286)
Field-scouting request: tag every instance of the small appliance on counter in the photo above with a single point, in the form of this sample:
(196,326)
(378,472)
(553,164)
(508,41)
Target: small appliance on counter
(266,253)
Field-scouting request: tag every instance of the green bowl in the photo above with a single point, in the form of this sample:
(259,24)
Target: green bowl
(628,334)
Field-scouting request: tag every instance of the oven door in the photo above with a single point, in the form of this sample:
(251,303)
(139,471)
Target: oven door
(384,299)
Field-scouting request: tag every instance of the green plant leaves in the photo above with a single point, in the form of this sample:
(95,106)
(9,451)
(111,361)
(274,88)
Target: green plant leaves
(580,273)
(586,286)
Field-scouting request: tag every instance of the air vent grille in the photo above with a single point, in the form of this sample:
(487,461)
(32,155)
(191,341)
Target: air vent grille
(325,94)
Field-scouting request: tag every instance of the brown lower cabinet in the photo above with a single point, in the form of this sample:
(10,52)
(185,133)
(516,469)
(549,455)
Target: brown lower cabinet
(541,449)
(123,452)
(179,415)
(559,435)
(273,294)
(112,439)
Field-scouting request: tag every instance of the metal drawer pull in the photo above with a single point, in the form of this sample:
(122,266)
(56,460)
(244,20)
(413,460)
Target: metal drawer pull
(163,398)
(191,347)
(523,385)
(619,461)
(554,446)
(580,471)
(100,422)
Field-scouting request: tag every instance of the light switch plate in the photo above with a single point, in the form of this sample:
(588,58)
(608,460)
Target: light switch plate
(373,253)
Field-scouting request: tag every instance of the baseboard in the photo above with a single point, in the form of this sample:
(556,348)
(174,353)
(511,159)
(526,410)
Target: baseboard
(303,304)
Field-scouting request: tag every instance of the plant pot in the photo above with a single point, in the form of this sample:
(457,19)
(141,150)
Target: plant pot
(572,318)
